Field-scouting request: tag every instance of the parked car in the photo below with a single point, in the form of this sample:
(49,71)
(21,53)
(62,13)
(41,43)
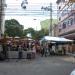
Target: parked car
(73,72)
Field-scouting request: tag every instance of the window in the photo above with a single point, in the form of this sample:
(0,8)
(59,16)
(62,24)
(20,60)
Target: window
(64,25)
(68,22)
(71,21)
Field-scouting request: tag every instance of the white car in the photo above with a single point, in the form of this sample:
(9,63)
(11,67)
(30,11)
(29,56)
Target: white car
(73,72)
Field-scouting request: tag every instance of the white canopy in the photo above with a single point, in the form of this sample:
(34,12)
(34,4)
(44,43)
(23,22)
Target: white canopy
(57,39)
(30,39)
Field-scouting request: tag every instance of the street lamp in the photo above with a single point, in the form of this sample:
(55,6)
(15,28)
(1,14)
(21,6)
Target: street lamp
(24,4)
(49,8)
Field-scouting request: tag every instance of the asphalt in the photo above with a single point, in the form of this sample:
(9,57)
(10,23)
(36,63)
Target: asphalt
(53,65)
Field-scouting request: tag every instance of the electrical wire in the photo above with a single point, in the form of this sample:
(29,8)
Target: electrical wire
(19,11)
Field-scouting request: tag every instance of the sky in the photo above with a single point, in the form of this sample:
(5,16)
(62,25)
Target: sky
(30,17)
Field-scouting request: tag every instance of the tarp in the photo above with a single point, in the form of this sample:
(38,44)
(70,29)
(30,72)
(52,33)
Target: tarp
(55,39)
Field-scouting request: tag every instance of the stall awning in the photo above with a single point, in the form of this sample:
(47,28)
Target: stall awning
(56,39)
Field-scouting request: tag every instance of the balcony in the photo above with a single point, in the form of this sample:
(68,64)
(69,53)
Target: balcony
(68,14)
(71,0)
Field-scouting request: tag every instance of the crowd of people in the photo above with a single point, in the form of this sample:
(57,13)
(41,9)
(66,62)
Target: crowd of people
(44,49)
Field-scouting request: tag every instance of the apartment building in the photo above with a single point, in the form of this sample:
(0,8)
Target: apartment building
(2,6)
(66,20)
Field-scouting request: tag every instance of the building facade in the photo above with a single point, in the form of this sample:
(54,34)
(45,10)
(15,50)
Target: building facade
(2,6)
(66,20)
(55,30)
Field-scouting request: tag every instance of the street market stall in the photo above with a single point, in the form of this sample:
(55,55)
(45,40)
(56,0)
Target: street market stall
(58,44)
(56,39)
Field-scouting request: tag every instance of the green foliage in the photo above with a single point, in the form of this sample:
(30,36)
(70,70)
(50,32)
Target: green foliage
(13,28)
(35,34)
(29,30)
(45,24)
(41,33)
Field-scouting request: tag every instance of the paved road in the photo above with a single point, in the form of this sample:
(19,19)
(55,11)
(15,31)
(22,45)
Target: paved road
(39,66)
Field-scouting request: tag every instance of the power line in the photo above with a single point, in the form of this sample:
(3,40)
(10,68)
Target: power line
(18,11)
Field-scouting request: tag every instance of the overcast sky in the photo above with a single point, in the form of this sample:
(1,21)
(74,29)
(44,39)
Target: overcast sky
(26,17)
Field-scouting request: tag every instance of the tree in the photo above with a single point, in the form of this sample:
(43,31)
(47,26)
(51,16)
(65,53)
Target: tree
(36,34)
(40,34)
(29,30)
(13,28)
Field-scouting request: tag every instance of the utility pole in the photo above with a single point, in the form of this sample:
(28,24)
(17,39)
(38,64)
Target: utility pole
(50,26)
(2,6)
(49,8)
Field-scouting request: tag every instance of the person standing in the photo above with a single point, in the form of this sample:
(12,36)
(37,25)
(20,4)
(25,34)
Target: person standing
(42,51)
(46,49)
(49,48)
(19,52)
(5,50)
(64,51)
